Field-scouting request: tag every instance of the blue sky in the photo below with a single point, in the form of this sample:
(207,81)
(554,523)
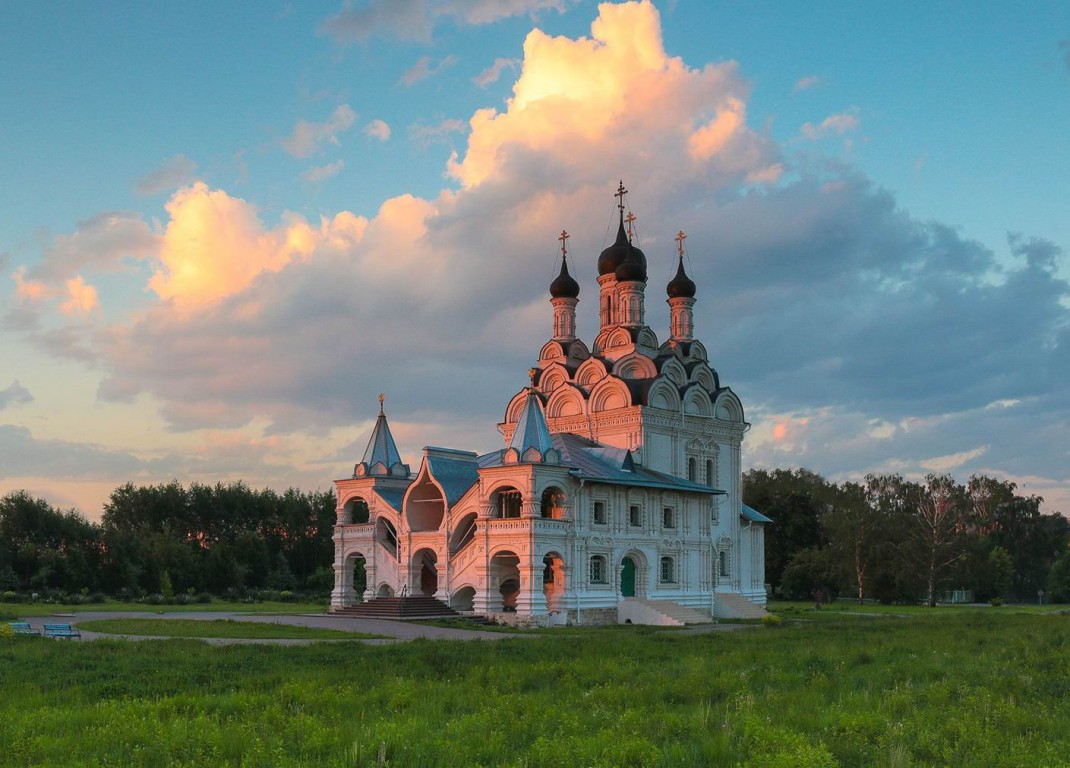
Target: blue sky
(225,229)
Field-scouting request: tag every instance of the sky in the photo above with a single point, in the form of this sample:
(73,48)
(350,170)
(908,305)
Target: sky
(226,228)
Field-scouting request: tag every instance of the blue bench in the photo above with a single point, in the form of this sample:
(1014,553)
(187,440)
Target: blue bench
(23,628)
(61,630)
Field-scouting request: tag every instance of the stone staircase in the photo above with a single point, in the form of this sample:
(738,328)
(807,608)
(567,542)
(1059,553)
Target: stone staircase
(412,607)
(729,605)
(666,613)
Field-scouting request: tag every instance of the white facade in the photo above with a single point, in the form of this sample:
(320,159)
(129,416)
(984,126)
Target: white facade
(616,496)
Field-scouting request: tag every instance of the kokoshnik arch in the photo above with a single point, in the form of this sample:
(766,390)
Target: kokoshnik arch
(615,498)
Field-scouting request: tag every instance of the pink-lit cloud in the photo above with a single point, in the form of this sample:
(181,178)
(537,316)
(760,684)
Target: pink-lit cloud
(425,68)
(322,172)
(837,125)
(308,137)
(81,299)
(377,129)
(494,72)
(173,173)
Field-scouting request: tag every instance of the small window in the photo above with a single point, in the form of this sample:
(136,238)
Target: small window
(691,468)
(722,563)
(668,518)
(598,569)
(635,516)
(600,512)
(711,481)
(668,570)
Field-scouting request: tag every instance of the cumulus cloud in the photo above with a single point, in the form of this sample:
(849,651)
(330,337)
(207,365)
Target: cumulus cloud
(173,173)
(105,242)
(81,297)
(494,72)
(860,339)
(321,172)
(377,129)
(837,124)
(15,394)
(308,138)
(414,20)
(425,68)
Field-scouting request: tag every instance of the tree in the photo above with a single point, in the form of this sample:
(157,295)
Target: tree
(855,527)
(1059,579)
(936,536)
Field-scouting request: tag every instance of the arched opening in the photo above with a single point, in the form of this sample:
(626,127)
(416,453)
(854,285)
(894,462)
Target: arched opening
(506,502)
(627,577)
(385,590)
(424,506)
(463,600)
(553,580)
(387,535)
(691,468)
(464,533)
(355,576)
(505,575)
(552,504)
(424,572)
(355,511)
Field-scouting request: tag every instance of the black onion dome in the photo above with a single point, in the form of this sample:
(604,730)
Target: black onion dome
(633,267)
(614,255)
(563,286)
(681,285)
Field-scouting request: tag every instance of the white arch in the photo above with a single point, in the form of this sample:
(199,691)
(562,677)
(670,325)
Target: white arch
(704,375)
(674,371)
(697,352)
(567,400)
(635,366)
(609,394)
(553,376)
(664,394)
(551,350)
(647,338)
(618,337)
(590,372)
(577,350)
(729,408)
(697,402)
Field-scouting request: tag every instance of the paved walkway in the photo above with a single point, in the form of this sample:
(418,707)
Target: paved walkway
(393,631)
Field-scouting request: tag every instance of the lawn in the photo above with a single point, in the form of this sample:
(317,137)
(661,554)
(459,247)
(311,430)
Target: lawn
(216,628)
(963,688)
(28,610)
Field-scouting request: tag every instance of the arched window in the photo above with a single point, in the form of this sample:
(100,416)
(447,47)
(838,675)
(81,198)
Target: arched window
(668,518)
(668,570)
(599,513)
(598,570)
(722,563)
(711,481)
(691,468)
(552,504)
(509,503)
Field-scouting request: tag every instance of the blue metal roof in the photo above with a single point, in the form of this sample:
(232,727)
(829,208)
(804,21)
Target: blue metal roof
(596,463)
(531,430)
(392,496)
(381,447)
(455,473)
(749,513)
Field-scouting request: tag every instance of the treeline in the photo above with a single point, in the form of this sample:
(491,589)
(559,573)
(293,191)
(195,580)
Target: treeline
(900,541)
(169,541)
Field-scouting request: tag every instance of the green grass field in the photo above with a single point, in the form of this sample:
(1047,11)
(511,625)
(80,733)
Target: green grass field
(28,610)
(949,688)
(218,628)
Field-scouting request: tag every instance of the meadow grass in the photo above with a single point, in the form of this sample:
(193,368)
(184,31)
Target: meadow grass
(217,628)
(28,610)
(970,688)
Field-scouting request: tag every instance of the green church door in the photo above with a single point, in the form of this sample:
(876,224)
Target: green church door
(627,577)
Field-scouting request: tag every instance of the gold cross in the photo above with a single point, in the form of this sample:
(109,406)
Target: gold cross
(382,397)
(680,237)
(563,237)
(532,372)
(629,220)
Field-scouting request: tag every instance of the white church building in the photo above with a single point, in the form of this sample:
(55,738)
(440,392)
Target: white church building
(615,496)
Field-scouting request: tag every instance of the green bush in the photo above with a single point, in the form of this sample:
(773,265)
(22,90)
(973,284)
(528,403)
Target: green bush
(996,602)
(6,631)
(10,597)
